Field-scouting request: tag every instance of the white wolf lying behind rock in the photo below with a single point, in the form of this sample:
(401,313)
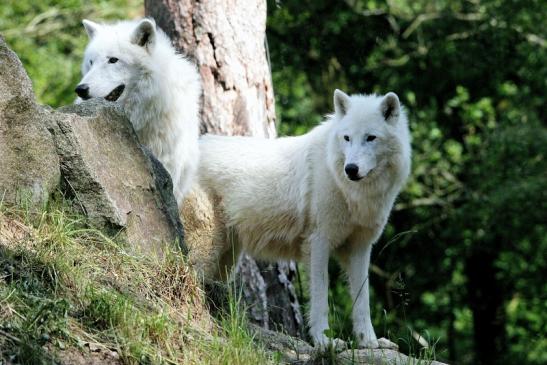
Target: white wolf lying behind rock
(134,64)
(327,192)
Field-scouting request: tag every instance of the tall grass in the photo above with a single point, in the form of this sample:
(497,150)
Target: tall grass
(68,288)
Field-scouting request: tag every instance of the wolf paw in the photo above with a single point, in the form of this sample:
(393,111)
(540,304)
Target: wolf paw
(381,343)
(324,343)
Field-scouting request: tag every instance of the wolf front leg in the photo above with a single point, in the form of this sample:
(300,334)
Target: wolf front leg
(358,272)
(319,287)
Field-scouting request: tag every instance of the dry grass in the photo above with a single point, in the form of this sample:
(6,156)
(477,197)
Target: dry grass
(65,286)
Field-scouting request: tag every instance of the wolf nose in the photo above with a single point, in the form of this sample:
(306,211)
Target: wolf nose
(83,91)
(352,170)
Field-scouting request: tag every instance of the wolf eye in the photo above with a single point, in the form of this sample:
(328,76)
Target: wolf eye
(371,138)
(346,138)
(112,60)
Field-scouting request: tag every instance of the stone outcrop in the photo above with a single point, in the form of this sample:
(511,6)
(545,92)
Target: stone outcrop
(29,166)
(298,352)
(111,178)
(91,154)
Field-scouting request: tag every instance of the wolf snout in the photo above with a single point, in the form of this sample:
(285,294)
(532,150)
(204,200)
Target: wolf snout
(83,91)
(352,171)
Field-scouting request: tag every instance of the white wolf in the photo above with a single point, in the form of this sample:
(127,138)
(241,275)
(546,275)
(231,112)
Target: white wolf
(327,192)
(134,64)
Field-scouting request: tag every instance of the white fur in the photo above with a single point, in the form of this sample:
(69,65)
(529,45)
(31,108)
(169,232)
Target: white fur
(161,95)
(289,198)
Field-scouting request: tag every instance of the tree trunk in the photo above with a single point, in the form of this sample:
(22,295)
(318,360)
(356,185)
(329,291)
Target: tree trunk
(226,39)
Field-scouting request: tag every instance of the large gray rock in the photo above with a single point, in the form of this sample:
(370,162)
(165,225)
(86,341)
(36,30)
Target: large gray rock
(89,152)
(29,166)
(117,184)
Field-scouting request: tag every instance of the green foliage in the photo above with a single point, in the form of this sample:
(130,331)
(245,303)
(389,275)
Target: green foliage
(49,38)
(472,76)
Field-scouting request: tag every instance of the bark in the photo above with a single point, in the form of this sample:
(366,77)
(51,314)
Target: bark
(226,39)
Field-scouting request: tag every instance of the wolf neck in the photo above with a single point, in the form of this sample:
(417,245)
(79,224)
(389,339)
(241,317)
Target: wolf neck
(369,203)
(163,118)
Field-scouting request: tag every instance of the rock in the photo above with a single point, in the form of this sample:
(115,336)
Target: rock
(88,151)
(29,166)
(296,351)
(380,357)
(164,186)
(292,350)
(116,183)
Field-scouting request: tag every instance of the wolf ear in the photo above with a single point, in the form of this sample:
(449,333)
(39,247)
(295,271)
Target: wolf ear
(341,103)
(390,107)
(90,27)
(145,33)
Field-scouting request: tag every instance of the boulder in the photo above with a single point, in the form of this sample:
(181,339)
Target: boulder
(29,166)
(91,154)
(118,184)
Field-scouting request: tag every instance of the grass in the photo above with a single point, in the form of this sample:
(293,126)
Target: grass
(68,289)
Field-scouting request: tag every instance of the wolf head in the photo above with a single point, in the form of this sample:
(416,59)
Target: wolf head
(367,132)
(114,56)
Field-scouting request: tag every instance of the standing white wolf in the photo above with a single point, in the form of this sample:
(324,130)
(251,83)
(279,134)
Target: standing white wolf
(134,64)
(327,192)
